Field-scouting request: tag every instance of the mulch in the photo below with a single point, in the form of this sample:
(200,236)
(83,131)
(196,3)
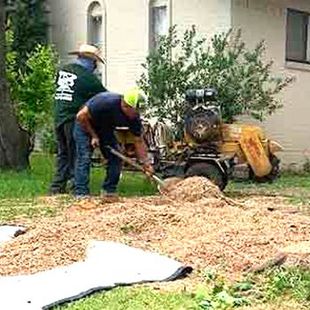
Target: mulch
(193,223)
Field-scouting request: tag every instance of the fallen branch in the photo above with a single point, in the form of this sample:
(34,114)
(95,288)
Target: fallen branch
(278,260)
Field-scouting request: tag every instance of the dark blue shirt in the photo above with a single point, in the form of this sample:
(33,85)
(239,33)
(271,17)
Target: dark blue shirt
(106,114)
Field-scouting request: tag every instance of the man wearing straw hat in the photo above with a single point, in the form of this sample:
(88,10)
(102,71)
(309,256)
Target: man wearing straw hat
(76,83)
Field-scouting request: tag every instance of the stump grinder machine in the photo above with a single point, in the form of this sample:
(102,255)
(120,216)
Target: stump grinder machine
(209,147)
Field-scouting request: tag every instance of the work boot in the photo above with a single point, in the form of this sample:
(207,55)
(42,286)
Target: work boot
(56,191)
(104,193)
(82,197)
(109,197)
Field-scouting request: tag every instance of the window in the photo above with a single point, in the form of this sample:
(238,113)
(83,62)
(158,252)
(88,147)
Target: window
(158,21)
(297,36)
(94,32)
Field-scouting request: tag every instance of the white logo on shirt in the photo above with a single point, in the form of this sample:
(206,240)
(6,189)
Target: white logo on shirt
(65,84)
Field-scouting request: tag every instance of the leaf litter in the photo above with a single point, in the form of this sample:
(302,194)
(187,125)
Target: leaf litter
(193,222)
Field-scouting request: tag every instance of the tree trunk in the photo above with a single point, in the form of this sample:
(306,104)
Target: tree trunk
(14,142)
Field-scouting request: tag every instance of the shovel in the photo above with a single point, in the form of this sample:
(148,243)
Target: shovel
(126,159)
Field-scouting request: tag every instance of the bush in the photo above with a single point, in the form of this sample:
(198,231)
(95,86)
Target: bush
(243,79)
(32,92)
(29,23)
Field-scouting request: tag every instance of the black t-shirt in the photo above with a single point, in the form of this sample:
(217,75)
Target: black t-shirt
(75,85)
(106,114)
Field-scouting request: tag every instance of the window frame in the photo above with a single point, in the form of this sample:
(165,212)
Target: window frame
(102,35)
(307,35)
(95,33)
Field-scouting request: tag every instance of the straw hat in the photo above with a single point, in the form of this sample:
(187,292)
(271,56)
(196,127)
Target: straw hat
(90,51)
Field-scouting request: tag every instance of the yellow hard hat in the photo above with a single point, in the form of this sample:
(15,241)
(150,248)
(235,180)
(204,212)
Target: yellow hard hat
(134,97)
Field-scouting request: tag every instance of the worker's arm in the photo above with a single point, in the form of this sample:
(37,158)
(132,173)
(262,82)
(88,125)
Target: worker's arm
(84,118)
(141,152)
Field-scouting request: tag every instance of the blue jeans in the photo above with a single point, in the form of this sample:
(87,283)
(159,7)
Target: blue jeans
(83,162)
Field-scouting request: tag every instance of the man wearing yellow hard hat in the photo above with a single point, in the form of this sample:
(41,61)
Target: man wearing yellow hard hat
(95,125)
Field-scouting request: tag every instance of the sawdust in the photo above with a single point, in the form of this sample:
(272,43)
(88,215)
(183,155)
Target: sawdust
(299,248)
(194,223)
(193,189)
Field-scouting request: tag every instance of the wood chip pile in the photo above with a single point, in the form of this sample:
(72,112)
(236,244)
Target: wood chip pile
(194,223)
(192,189)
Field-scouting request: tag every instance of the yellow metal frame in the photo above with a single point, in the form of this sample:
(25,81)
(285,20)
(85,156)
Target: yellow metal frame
(247,143)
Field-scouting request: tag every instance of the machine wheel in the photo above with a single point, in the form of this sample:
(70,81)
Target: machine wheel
(274,173)
(208,171)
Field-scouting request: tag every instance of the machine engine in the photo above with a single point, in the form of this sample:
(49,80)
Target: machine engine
(203,116)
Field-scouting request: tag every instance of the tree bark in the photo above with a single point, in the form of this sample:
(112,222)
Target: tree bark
(14,142)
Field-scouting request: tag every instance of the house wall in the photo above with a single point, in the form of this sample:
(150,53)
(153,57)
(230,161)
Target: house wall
(210,16)
(265,19)
(68,20)
(126,43)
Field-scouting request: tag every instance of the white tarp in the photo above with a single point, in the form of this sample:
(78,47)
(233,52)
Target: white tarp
(108,264)
(8,232)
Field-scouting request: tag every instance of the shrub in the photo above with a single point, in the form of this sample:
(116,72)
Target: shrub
(245,82)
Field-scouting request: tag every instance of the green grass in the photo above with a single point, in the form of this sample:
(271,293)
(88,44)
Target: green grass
(14,208)
(27,184)
(19,190)
(280,286)
(294,187)
(285,184)
(35,182)
(19,196)
(275,286)
(294,282)
(285,180)
(137,298)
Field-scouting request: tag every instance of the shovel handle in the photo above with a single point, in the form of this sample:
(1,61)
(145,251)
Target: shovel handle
(125,158)
(158,180)
(134,164)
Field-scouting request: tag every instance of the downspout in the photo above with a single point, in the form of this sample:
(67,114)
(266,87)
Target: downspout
(170,13)
(106,44)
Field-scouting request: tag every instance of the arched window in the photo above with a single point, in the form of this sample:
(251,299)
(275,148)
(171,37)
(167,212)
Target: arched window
(95,24)
(159,21)
(96,33)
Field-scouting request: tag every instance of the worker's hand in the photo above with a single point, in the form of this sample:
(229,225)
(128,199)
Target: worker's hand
(95,142)
(148,168)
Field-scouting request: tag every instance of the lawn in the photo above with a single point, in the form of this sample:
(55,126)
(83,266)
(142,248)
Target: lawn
(36,181)
(275,289)
(19,192)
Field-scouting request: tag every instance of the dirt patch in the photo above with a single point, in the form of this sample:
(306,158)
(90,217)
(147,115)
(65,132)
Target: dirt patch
(194,223)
